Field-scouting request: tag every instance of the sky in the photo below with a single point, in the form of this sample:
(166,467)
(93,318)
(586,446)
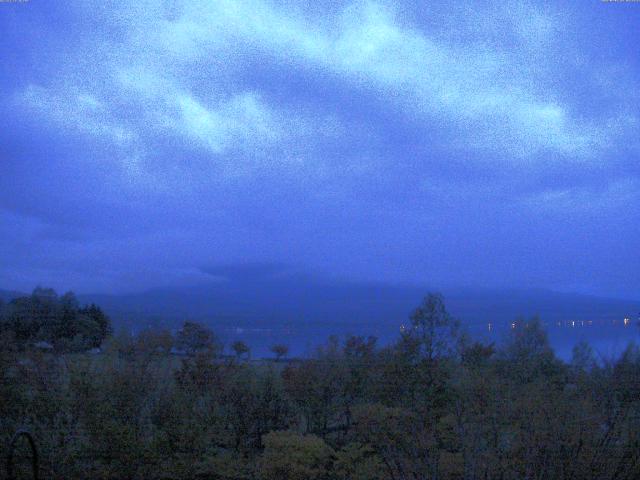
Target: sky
(493,144)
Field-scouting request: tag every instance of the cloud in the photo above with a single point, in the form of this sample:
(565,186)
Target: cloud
(76,110)
(182,70)
(160,136)
(482,91)
(608,200)
(240,119)
(217,121)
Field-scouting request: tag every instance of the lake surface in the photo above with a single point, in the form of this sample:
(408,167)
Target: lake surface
(608,338)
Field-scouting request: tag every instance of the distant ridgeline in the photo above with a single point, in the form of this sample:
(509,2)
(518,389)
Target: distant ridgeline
(49,321)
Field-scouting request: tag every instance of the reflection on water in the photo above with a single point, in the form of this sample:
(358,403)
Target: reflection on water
(607,336)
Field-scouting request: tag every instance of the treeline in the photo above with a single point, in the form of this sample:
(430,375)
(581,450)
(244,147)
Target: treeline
(434,405)
(47,320)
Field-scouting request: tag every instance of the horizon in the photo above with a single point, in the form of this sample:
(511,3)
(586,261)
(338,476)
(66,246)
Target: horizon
(311,310)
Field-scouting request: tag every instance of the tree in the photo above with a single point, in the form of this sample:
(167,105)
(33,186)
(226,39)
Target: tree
(477,354)
(102,321)
(153,341)
(317,387)
(359,462)
(528,353)
(280,351)
(433,327)
(43,316)
(359,347)
(291,456)
(240,348)
(399,438)
(194,337)
(583,358)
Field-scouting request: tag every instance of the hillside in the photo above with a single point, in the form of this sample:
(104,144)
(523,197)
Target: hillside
(259,302)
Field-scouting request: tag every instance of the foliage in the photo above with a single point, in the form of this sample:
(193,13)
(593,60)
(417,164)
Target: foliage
(44,318)
(426,407)
(194,338)
(291,456)
(434,330)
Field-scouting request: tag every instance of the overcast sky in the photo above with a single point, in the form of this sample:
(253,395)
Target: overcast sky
(454,143)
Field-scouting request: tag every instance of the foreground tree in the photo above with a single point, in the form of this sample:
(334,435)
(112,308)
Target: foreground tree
(512,411)
(291,456)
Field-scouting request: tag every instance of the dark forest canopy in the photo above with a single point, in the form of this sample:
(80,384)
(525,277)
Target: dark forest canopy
(435,404)
(47,319)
